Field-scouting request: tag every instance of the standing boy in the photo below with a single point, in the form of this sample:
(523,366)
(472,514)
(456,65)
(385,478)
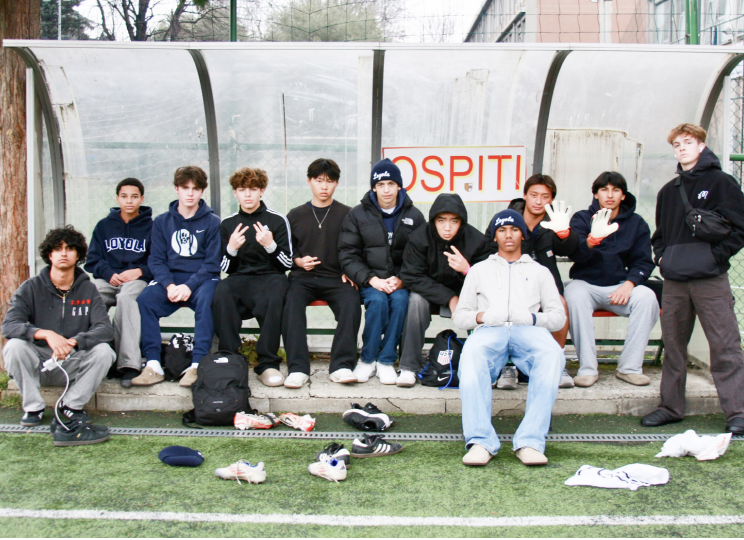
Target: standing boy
(59,314)
(610,265)
(373,237)
(256,253)
(184,260)
(117,259)
(696,279)
(317,275)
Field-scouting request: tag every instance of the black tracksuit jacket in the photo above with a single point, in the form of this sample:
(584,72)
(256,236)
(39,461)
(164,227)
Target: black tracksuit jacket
(363,248)
(426,270)
(683,256)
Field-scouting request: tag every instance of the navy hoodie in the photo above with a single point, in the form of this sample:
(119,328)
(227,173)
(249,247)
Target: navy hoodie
(390,220)
(117,246)
(625,255)
(185,251)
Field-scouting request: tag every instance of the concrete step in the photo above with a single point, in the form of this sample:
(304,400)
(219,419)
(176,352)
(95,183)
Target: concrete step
(608,396)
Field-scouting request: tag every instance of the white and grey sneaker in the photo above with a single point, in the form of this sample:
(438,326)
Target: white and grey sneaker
(335,451)
(386,373)
(509,378)
(406,379)
(374,446)
(242,470)
(343,376)
(296,379)
(367,418)
(566,380)
(333,470)
(364,371)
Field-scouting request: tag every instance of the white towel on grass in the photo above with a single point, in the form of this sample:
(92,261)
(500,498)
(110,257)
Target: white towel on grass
(629,477)
(689,443)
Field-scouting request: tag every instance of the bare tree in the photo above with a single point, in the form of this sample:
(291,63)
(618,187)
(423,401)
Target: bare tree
(19,19)
(137,16)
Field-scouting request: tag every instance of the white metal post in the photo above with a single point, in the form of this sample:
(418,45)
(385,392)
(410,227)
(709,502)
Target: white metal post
(31,169)
(727,125)
(59,20)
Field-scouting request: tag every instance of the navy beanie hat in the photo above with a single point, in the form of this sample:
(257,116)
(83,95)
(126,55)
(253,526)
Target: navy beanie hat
(510,217)
(385,170)
(181,456)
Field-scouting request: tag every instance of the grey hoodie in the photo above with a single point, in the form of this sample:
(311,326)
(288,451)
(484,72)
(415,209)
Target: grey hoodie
(37,305)
(509,294)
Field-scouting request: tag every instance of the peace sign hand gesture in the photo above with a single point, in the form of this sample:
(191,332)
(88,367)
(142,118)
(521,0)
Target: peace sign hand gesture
(263,235)
(237,238)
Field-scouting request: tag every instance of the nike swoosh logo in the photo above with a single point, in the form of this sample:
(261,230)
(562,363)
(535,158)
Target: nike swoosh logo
(201,230)
(442,379)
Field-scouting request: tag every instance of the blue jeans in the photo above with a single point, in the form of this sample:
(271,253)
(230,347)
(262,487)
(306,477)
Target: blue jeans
(534,351)
(383,314)
(154,304)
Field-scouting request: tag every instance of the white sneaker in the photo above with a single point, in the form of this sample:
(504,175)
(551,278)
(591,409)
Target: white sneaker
(296,380)
(566,380)
(406,379)
(333,470)
(364,371)
(242,470)
(386,373)
(343,376)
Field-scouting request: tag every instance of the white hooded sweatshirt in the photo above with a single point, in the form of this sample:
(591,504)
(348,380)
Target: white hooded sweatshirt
(509,294)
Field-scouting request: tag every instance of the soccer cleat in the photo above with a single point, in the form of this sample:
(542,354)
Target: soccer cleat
(335,451)
(79,434)
(255,421)
(374,446)
(295,421)
(364,371)
(566,380)
(333,470)
(367,418)
(242,470)
(32,418)
(509,379)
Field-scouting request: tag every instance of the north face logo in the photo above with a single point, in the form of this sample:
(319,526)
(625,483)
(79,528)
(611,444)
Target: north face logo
(500,221)
(379,176)
(703,195)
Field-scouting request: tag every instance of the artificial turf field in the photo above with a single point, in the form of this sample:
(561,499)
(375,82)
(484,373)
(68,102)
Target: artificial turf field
(414,493)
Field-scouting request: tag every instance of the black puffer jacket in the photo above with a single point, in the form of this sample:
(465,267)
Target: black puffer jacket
(363,248)
(426,269)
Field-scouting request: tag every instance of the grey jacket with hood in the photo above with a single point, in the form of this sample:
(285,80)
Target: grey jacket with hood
(80,314)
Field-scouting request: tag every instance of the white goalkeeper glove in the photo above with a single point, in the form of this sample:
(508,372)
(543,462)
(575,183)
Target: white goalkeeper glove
(560,219)
(601,227)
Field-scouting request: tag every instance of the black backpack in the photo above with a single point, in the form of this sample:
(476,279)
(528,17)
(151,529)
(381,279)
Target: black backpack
(177,356)
(221,389)
(444,358)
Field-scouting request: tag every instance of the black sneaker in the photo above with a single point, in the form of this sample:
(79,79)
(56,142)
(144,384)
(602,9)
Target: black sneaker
(374,446)
(32,418)
(80,434)
(74,415)
(127,374)
(335,451)
(367,418)
(55,425)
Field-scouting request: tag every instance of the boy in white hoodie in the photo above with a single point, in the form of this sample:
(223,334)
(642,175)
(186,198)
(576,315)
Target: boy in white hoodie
(513,304)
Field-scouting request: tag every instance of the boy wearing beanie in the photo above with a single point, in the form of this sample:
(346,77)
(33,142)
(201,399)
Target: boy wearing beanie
(371,243)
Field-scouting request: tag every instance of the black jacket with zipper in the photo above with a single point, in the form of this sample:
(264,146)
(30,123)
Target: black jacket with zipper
(252,258)
(543,245)
(426,270)
(80,314)
(684,256)
(363,248)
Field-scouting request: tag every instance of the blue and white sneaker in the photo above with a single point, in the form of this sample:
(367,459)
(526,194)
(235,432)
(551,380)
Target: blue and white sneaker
(335,451)
(242,470)
(332,470)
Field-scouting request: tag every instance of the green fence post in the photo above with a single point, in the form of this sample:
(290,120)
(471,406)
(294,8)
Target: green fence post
(691,22)
(234,20)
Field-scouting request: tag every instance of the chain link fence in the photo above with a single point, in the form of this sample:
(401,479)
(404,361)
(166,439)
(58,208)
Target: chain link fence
(736,127)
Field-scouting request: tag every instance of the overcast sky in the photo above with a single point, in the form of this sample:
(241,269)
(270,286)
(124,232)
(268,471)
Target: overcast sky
(422,17)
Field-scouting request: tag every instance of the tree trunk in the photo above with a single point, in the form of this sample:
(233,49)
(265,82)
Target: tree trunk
(19,19)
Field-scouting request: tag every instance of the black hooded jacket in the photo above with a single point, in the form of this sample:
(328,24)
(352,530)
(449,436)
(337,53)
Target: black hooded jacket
(80,314)
(683,256)
(426,269)
(543,245)
(363,248)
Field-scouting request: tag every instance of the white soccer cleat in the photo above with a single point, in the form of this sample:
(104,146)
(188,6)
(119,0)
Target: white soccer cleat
(333,470)
(242,470)
(295,421)
(244,421)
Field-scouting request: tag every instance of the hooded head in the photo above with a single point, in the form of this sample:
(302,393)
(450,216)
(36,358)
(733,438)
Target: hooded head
(448,216)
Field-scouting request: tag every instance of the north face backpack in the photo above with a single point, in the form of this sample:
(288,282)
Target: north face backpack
(177,356)
(221,389)
(444,358)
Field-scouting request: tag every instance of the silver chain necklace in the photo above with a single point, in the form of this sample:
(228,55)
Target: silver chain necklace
(320,222)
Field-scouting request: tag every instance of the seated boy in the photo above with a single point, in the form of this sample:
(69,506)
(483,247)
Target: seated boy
(59,314)
(435,262)
(513,304)
(117,259)
(256,253)
(610,265)
(373,237)
(185,263)
(317,275)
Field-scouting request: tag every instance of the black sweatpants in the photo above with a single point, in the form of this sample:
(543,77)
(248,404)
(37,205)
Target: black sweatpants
(713,302)
(241,297)
(343,299)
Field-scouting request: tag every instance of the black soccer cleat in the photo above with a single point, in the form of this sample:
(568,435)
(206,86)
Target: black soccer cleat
(367,418)
(374,446)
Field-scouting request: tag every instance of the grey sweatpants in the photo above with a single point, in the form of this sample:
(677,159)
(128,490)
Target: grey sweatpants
(418,319)
(86,369)
(126,320)
(642,310)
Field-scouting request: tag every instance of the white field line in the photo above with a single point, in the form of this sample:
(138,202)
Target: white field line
(375,521)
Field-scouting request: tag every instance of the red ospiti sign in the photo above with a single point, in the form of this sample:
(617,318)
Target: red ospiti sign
(476,173)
